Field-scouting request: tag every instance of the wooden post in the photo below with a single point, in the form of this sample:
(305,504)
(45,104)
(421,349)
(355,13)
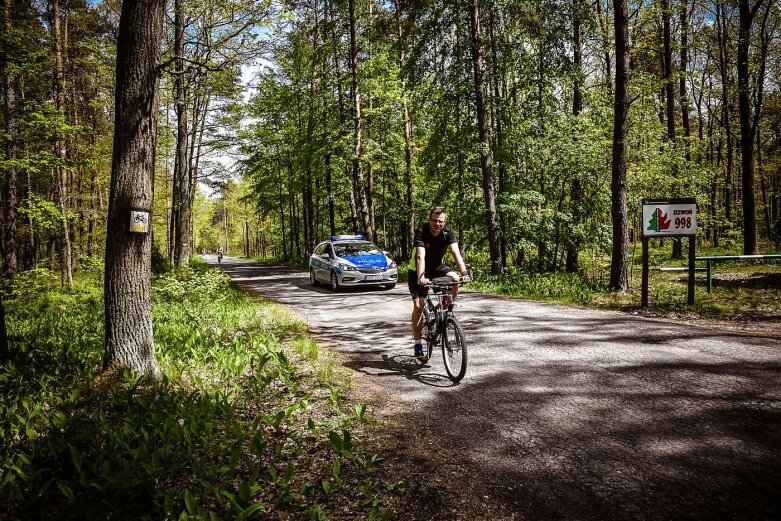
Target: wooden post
(644,283)
(691,270)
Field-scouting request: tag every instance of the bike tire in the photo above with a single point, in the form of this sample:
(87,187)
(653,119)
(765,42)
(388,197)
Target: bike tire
(454,350)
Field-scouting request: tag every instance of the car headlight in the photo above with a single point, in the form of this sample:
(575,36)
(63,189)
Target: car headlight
(346,267)
(392,264)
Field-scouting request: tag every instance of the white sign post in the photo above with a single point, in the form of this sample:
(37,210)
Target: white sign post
(669,218)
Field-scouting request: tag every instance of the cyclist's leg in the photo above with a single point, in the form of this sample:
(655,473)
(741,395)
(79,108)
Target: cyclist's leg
(443,270)
(418,294)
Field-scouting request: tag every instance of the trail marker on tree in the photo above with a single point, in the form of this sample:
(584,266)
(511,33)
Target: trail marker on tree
(669,218)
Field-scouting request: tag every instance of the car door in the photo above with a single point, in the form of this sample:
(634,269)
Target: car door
(323,264)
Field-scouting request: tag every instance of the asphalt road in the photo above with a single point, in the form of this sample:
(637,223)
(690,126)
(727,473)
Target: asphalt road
(564,413)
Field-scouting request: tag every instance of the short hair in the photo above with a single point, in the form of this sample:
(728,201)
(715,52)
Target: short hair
(436,211)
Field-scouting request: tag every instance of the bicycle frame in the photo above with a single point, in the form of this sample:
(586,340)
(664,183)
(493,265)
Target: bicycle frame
(442,327)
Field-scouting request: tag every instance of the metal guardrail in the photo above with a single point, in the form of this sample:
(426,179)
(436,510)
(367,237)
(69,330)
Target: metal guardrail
(710,259)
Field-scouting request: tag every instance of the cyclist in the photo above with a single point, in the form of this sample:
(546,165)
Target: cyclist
(431,242)
(219,253)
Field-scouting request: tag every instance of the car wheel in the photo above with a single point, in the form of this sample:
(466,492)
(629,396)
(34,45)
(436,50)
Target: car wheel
(334,281)
(312,278)
(390,286)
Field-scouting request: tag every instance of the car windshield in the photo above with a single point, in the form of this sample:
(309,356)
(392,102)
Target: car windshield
(351,249)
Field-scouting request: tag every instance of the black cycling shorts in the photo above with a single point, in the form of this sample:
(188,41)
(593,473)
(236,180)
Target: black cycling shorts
(418,291)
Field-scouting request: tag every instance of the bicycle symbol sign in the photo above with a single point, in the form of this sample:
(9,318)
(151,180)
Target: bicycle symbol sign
(139,221)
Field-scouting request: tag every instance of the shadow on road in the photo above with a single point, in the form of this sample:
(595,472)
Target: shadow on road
(402,365)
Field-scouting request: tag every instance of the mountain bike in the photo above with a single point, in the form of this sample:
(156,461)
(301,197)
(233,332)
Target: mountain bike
(441,327)
(219,256)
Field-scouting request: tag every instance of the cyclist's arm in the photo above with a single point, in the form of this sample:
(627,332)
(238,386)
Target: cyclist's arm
(420,263)
(456,253)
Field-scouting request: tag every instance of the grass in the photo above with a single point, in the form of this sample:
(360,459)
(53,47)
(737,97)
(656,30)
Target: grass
(252,418)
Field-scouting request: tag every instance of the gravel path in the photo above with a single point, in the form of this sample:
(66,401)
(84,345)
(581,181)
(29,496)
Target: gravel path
(564,413)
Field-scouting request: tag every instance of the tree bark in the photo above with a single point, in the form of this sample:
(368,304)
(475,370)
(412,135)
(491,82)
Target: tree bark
(722,37)
(486,161)
(748,121)
(618,207)
(684,96)
(408,192)
(60,172)
(129,340)
(355,92)
(573,241)
(182,181)
(9,109)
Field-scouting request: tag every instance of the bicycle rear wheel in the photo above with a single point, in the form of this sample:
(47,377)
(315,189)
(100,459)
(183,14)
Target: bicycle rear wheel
(454,349)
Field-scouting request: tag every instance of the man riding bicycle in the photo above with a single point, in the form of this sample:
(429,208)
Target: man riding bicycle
(431,242)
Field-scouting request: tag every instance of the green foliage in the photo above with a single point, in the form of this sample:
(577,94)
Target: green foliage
(227,433)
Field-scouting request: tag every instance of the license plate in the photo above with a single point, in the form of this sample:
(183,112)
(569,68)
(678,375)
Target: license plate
(373,277)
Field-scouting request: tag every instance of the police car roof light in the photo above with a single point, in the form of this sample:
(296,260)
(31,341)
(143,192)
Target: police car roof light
(357,236)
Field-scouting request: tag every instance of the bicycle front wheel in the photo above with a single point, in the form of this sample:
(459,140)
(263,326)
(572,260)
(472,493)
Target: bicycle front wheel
(428,330)
(454,349)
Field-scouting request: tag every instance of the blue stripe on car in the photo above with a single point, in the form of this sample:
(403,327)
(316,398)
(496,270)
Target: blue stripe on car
(367,261)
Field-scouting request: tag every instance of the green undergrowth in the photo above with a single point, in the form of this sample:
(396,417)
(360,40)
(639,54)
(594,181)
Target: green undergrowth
(568,288)
(742,290)
(252,419)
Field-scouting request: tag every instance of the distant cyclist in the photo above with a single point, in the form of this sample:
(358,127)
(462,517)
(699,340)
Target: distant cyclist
(219,253)
(431,242)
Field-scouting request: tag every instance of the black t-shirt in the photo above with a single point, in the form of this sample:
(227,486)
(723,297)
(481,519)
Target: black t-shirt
(436,246)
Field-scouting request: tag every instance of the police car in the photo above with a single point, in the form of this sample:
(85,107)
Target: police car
(350,261)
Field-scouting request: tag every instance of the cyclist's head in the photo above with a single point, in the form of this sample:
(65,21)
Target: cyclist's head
(437,214)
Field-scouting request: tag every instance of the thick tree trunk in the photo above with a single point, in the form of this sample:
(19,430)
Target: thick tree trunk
(486,161)
(129,340)
(618,207)
(749,121)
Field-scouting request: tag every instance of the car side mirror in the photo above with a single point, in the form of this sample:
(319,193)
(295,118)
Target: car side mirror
(326,255)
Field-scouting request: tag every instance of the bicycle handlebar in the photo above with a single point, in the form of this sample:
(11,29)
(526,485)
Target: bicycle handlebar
(445,283)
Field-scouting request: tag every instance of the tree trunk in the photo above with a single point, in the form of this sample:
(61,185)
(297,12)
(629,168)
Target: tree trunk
(355,92)
(9,109)
(486,161)
(722,37)
(669,89)
(5,350)
(573,243)
(685,124)
(618,207)
(129,339)
(60,172)
(408,192)
(183,183)
(749,121)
